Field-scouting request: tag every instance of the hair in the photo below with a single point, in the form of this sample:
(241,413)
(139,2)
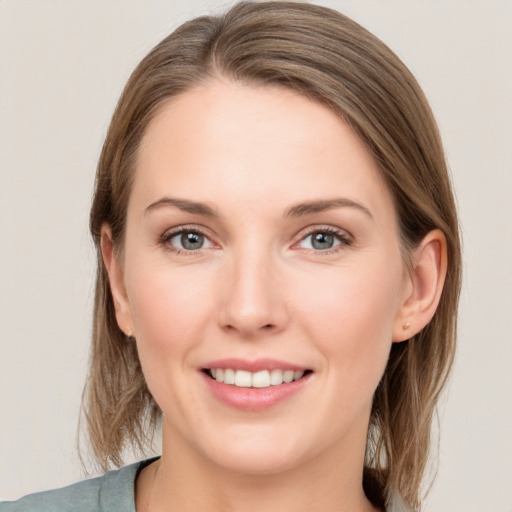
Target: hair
(330,59)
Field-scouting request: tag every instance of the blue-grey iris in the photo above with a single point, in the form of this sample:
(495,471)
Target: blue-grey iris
(322,241)
(192,241)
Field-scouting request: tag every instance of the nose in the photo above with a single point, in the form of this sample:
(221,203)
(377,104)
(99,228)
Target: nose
(253,302)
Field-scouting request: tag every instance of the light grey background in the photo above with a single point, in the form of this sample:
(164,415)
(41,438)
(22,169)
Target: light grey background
(63,64)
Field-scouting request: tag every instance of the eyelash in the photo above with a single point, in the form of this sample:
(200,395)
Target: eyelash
(343,238)
(169,235)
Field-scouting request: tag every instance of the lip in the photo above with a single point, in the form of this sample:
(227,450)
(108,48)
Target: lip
(255,365)
(253,399)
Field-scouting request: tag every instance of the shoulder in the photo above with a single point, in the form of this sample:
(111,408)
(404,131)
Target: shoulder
(110,492)
(397,504)
(74,498)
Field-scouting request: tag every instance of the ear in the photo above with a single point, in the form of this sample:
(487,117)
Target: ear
(116,279)
(424,286)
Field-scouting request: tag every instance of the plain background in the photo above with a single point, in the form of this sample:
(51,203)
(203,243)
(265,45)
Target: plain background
(63,64)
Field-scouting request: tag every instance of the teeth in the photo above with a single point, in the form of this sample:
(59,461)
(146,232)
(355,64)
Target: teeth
(298,375)
(229,376)
(288,375)
(242,379)
(276,377)
(261,379)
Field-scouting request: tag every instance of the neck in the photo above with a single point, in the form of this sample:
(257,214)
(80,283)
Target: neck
(183,480)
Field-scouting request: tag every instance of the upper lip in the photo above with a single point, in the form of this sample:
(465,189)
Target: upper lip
(254,365)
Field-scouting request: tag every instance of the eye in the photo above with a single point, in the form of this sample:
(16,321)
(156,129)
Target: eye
(186,240)
(324,240)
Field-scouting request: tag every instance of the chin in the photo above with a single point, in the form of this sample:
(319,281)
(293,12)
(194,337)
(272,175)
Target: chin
(257,464)
(255,455)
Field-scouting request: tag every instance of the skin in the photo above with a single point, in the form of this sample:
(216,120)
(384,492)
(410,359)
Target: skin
(259,288)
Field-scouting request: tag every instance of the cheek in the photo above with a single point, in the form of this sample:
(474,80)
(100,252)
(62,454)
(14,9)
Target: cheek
(167,304)
(351,317)
(169,308)
(347,301)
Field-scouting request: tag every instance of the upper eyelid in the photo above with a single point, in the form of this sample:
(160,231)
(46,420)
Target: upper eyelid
(319,228)
(184,228)
(303,233)
(345,239)
(170,233)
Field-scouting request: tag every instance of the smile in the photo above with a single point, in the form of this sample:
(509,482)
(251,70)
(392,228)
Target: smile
(254,385)
(259,379)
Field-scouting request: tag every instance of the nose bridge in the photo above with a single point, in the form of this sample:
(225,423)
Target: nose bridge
(253,302)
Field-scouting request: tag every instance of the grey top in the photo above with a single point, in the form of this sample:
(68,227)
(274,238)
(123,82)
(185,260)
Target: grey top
(112,492)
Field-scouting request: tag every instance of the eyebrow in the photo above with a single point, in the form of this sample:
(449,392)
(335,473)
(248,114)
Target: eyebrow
(184,204)
(311,207)
(297,210)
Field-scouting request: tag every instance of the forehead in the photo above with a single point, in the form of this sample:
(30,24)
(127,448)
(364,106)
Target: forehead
(255,142)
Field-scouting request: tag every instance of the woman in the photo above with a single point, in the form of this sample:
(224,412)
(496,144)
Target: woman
(278,273)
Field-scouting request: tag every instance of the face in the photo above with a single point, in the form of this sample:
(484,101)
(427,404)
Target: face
(261,247)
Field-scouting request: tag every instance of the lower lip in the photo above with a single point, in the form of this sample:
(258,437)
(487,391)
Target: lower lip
(254,399)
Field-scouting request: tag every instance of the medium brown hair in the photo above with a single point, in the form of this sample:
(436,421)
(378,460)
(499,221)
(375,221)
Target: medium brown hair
(328,58)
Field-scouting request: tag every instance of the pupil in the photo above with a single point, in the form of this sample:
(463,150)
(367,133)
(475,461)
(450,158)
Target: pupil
(192,241)
(322,241)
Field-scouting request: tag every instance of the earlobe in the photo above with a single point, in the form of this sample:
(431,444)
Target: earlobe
(425,284)
(116,280)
